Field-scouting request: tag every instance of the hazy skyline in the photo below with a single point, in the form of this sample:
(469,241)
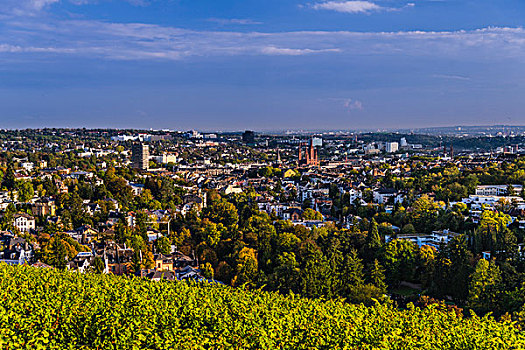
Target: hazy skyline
(263,65)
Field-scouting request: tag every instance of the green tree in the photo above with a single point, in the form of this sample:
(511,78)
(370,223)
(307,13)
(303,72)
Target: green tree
(352,276)
(400,260)
(452,270)
(483,287)
(163,245)
(222,212)
(9,178)
(285,277)
(211,232)
(424,213)
(25,191)
(408,229)
(373,239)
(246,269)
(315,273)
(310,214)
(377,276)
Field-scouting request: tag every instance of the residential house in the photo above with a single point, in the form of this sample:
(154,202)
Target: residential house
(24,222)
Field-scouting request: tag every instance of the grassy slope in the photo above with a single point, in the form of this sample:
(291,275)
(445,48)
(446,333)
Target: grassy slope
(45,309)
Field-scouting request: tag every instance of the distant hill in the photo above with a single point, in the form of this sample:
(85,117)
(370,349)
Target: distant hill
(48,309)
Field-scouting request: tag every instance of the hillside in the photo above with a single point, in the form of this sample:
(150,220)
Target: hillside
(47,309)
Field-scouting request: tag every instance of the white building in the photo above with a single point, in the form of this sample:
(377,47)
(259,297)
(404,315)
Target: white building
(496,190)
(28,166)
(478,201)
(383,195)
(435,239)
(391,147)
(123,138)
(24,222)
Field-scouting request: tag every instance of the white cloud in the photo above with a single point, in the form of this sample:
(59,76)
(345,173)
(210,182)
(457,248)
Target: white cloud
(272,50)
(138,41)
(352,105)
(20,49)
(40,4)
(241,21)
(25,7)
(356,6)
(348,6)
(451,77)
(348,103)
(35,7)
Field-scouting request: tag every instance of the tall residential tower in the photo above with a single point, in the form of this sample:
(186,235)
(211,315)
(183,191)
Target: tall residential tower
(140,156)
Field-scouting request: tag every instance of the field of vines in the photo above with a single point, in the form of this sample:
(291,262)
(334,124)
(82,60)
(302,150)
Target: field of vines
(48,309)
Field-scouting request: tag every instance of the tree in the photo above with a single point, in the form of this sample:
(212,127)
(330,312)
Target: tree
(211,232)
(285,277)
(483,287)
(452,270)
(408,229)
(59,249)
(25,191)
(471,182)
(424,213)
(377,276)
(57,255)
(163,245)
(136,261)
(427,257)
(492,226)
(246,269)
(9,178)
(179,238)
(352,276)
(373,240)
(315,273)
(222,212)
(7,220)
(400,258)
(310,214)
(122,230)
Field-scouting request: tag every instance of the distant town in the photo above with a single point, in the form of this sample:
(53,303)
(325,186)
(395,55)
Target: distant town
(261,209)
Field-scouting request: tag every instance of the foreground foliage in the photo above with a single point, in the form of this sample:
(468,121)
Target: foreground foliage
(49,309)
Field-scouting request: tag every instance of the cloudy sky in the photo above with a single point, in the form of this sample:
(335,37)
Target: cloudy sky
(263,65)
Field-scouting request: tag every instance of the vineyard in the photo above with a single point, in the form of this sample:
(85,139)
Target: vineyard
(48,309)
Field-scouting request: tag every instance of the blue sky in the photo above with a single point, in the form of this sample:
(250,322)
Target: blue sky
(263,65)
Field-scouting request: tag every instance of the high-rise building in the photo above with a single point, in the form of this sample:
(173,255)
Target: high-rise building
(391,147)
(248,137)
(140,156)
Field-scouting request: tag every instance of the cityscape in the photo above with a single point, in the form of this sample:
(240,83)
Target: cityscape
(298,174)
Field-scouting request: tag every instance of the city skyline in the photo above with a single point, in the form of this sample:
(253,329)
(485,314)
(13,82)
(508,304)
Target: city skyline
(234,65)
